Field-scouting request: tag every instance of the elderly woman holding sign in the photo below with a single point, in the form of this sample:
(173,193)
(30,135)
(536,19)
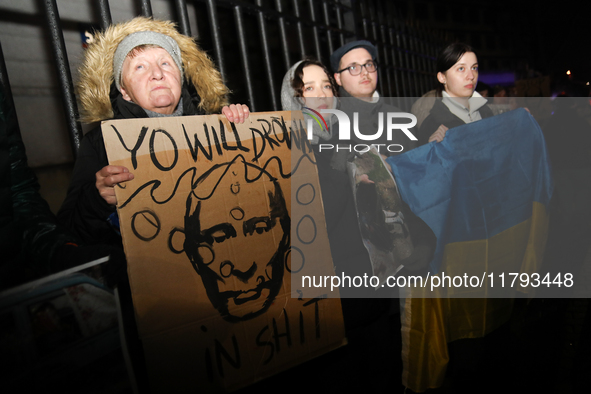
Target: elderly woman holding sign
(137,69)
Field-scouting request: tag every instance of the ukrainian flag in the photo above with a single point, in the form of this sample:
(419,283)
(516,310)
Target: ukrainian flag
(484,191)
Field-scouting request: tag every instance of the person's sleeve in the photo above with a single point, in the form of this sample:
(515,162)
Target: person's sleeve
(84,211)
(39,235)
(427,128)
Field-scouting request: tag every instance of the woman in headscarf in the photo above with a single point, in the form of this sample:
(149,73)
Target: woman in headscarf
(136,69)
(309,85)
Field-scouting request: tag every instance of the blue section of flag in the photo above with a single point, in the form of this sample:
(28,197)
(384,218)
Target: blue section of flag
(480,180)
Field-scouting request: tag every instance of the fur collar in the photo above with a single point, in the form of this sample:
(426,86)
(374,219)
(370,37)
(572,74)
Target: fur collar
(96,73)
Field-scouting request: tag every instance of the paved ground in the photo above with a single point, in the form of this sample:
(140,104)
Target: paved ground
(545,347)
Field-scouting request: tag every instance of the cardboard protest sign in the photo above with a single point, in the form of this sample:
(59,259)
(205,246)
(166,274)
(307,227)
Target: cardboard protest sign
(379,212)
(207,226)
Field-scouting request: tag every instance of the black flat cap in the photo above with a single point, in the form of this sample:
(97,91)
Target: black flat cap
(336,56)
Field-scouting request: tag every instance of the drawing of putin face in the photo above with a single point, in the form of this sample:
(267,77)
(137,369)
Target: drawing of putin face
(237,239)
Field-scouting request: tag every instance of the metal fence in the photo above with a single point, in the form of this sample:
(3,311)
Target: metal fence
(268,36)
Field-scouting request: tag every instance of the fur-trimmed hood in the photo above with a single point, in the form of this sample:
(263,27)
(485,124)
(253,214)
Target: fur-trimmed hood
(96,73)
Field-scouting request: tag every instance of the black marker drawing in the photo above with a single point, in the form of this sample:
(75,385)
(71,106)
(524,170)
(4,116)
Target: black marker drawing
(155,184)
(153,156)
(145,225)
(303,194)
(237,213)
(238,286)
(302,258)
(138,143)
(207,221)
(309,237)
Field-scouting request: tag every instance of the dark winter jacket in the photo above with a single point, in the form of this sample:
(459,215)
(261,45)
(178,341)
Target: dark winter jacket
(29,234)
(441,115)
(84,211)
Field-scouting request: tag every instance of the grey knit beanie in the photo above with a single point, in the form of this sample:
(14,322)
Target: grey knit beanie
(144,38)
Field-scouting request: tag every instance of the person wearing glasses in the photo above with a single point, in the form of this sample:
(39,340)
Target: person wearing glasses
(356,72)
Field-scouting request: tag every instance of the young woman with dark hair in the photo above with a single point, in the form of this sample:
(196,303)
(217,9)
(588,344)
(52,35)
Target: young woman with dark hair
(309,84)
(314,68)
(457,73)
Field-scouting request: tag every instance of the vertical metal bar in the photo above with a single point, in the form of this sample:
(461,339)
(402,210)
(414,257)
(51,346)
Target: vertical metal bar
(418,61)
(379,34)
(357,18)
(327,23)
(266,54)
(244,56)
(424,62)
(340,26)
(407,66)
(408,55)
(432,51)
(413,61)
(283,34)
(146,6)
(364,19)
(373,17)
(296,10)
(183,15)
(403,60)
(314,28)
(4,80)
(395,67)
(396,34)
(217,38)
(386,60)
(411,68)
(389,13)
(399,51)
(383,74)
(63,70)
(4,75)
(105,12)
(374,31)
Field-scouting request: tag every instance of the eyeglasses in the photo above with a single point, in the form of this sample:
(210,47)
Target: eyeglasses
(355,69)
